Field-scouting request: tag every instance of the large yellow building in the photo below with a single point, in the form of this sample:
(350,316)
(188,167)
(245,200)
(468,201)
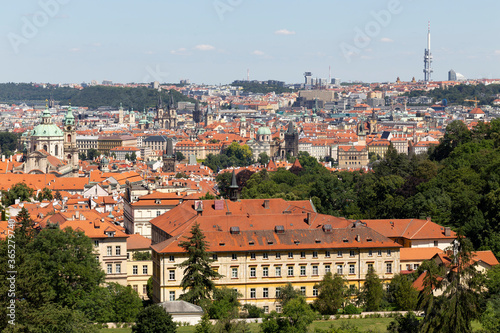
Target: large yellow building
(260,245)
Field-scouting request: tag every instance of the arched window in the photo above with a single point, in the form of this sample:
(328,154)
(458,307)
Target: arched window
(69,137)
(45,147)
(56,150)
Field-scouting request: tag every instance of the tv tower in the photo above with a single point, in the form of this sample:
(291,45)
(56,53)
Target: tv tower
(428,57)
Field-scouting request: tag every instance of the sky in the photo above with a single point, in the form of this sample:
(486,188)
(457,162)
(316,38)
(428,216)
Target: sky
(218,41)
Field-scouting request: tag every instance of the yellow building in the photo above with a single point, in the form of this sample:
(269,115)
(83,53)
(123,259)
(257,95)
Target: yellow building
(260,245)
(106,143)
(139,267)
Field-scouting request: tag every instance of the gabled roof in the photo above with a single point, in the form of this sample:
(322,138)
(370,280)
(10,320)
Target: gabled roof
(409,229)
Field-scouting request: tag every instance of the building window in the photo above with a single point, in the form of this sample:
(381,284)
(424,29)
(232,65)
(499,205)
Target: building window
(303,291)
(118,251)
(118,268)
(315,254)
(109,250)
(315,270)
(234,256)
(110,268)
(145,269)
(158,213)
(436,243)
(96,243)
(234,272)
(351,253)
(315,291)
(302,270)
(266,309)
(171,296)
(253,272)
(340,269)
(370,267)
(265,271)
(135,271)
(134,287)
(290,255)
(388,267)
(352,269)
(265,256)
(379,253)
(97,258)
(171,274)
(265,292)
(214,257)
(327,254)
(252,255)
(370,253)
(339,253)
(171,258)
(415,266)
(290,270)
(302,254)
(278,255)
(253,293)
(327,269)
(278,292)
(278,270)
(278,308)
(388,253)
(144,289)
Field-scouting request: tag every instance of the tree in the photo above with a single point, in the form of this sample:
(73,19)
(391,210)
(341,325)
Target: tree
(149,288)
(18,191)
(208,196)
(198,273)
(8,143)
(204,326)
(82,156)
(331,294)
(58,195)
(287,293)
(405,296)
(462,287)
(154,319)
(127,157)
(225,304)
(92,154)
(45,194)
(125,302)
(179,156)
(408,323)
(263,158)
(296,317)
(133,156)
(372,292)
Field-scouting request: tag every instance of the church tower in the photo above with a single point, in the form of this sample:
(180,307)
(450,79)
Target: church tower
(70,148)
(120,114)
(169,157)
(291,141)
(171,122)
(197,113)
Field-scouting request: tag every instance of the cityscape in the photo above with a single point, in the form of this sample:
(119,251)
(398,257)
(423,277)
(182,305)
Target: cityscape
(273,184)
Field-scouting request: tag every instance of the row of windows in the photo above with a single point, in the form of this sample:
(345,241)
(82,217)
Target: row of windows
(290,270)
(144,288)
(109,249)
(340,253)
(135,269)
(266,294)
(118,268)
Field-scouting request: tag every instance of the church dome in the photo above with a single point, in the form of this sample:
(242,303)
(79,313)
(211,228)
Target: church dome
(46,130)
(264,131)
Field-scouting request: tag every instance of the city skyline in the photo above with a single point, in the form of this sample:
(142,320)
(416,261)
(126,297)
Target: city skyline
(62,41)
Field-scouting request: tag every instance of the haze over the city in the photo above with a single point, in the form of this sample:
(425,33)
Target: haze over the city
(214,42)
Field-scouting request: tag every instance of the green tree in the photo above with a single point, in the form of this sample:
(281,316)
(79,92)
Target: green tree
(296,317)
(460,302)
(490,319)
(18,191)
(45,194)
(331,294)
(82,156)
(127,157)
(149,288)
(8,143)
(408,323)
(179,156)
(204,326)
(404,294)
(373,292)
(198,273)
(263,158)
(154,319)
(125,302)
(133,156)
(225,304)
(253,311)
(58,196)
(287,293)
(92,154)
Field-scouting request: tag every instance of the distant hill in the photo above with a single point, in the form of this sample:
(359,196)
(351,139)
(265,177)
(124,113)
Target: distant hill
(91,97)
(459,93)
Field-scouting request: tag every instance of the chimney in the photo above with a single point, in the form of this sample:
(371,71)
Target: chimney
(358,238)
(447,231)
(266,204)
(309,218)
(428,218)
(3,158)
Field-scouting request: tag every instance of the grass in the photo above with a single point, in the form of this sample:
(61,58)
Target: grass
(374,324)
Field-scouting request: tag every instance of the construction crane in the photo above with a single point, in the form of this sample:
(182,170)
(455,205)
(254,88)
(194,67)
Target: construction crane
(475,101)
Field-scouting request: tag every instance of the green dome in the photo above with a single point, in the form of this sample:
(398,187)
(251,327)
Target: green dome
(264,131)
(70,118)
(46,130)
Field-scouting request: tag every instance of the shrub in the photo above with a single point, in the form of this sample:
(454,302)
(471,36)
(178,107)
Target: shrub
(351,309)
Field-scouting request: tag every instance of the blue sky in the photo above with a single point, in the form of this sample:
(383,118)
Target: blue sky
(216,41)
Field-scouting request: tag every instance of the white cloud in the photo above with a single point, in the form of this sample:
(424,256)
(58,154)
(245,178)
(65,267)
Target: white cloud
(386,40)
(284,32)
(204,47)
(181,51)
(497,52)
(258,52)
